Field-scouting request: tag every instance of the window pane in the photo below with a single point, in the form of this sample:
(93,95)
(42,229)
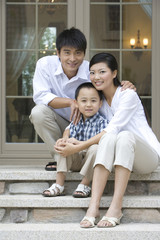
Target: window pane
(20,67)
(48,41)
(52,20)
(142,22)
(105,26)
(18,125)
(138,71)
(20,27)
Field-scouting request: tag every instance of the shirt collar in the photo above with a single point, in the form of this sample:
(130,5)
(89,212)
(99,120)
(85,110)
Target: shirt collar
(91,119)
(80,74)
(59,69)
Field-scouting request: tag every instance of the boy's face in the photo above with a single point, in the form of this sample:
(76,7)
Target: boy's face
(88,102)
(71,58)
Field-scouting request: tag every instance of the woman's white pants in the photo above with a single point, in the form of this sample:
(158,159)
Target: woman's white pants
(128,151)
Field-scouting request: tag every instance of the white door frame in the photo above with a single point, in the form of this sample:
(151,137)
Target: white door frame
(156,67)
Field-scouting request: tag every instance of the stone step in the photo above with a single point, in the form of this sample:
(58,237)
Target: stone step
(21,200)
(22,173)
(38,201)
(34,180)
(74,232)
(66,209)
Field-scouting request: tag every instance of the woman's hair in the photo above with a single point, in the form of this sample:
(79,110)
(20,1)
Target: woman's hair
(72,37)
(110,61)
(87,85)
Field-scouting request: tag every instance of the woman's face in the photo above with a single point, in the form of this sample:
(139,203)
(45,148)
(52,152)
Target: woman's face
(101,76)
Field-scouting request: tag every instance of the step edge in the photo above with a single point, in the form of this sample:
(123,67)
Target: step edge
(36,201)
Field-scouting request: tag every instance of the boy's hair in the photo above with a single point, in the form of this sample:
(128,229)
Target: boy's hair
(72,37)
(87,85)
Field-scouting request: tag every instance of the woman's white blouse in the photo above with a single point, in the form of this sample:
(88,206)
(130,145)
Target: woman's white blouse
(126,113)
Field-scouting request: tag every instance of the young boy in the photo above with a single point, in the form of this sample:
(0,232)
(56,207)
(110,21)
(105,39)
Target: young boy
(88,101)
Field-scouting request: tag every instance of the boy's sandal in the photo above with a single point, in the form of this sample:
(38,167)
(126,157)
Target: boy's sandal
(82,191)
(113,220)
(54,190)
(51,166)
(90,220)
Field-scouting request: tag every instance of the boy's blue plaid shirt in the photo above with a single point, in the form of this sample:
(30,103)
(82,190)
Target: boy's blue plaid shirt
(91,127)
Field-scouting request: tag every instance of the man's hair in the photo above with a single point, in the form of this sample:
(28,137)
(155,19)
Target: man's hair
(87,85)
(72,37)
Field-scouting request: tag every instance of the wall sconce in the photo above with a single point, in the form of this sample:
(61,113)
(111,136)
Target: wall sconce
(138,45)
(51,7)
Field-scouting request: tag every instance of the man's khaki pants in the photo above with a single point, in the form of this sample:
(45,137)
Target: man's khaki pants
(48,125)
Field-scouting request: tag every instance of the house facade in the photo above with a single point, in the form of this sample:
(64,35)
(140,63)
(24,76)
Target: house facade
(28,29)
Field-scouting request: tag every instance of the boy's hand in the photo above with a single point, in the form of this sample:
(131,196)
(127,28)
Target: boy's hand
(126,84)
(66,150)
(73,141)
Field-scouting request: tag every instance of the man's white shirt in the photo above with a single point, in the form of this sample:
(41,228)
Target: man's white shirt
(50,82)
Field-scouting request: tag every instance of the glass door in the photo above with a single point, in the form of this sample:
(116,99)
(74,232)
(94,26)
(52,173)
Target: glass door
(124,28)
(28,32)
(31,30)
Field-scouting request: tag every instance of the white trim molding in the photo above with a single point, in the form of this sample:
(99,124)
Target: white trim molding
(156,67)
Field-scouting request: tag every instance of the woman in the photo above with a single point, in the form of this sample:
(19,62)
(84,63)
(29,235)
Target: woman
(127,144)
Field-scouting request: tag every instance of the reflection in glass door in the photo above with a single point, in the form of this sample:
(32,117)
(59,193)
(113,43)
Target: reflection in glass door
(112,26)
(32,27)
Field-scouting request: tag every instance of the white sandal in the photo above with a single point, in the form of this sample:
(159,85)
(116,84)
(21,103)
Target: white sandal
(113,220)
(82,191)
(90,220)
(54,190)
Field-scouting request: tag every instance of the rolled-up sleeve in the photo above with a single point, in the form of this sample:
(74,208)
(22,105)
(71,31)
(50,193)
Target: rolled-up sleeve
(41,85)
(126,108)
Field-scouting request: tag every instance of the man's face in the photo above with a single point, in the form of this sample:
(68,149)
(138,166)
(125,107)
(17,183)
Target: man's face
(71,58)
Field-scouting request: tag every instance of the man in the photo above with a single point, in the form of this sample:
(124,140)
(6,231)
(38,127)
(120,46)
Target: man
(55,81)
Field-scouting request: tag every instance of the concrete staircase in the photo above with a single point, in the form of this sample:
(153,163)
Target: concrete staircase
(58,218)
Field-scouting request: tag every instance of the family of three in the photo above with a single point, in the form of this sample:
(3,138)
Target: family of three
(109,128)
